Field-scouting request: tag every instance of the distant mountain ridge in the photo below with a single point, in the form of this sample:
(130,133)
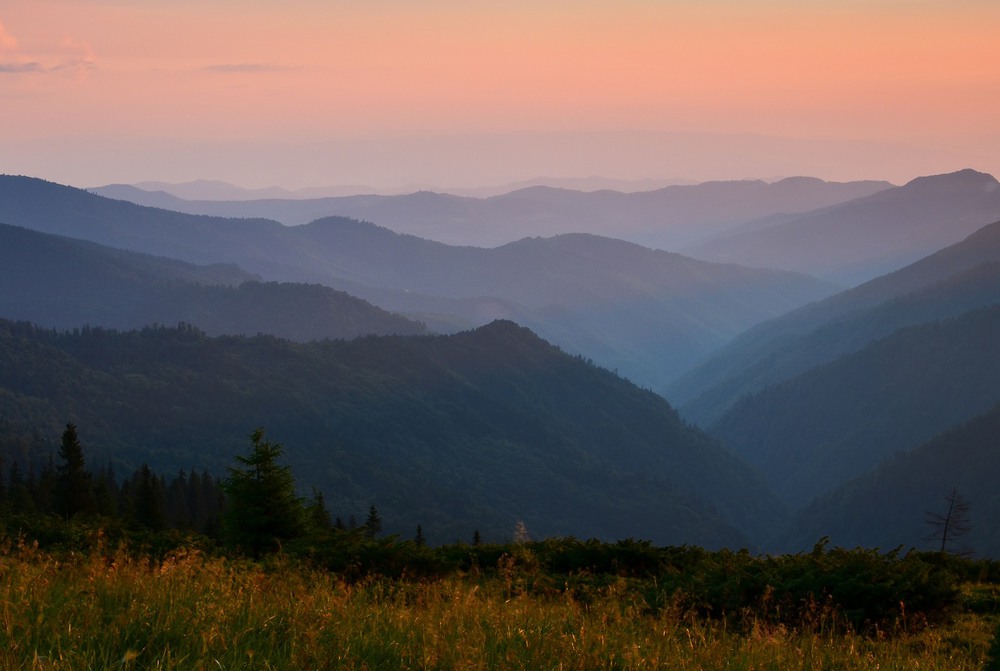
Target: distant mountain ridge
(665,218)
(856,241)
(213,189)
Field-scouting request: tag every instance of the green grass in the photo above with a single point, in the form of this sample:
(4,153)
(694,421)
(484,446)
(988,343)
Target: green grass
(114,610)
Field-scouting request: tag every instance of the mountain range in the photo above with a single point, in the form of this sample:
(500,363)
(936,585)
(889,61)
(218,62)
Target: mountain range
(816,404)
(644,312)
(213,189)
(666,218)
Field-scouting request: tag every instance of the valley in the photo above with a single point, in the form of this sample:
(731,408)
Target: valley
(191,329)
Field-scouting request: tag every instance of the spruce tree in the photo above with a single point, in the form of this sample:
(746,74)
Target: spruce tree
(74,492)
(106,493)
(149,505)
(262,510)
(319,516)
(373,525)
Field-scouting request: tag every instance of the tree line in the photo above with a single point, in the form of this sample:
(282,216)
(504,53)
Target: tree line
(255,509)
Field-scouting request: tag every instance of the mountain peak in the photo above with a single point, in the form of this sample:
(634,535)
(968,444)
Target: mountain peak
(962,180)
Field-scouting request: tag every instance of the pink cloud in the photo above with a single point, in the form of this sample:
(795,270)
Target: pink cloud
(7,42)
(69,56)
(11,59)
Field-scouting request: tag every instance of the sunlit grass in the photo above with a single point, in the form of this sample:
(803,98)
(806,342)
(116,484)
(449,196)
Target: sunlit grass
(191,611)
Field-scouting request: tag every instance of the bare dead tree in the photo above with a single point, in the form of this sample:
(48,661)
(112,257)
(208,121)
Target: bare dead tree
(950,527)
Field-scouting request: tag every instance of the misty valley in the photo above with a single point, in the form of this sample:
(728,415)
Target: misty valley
(739,401)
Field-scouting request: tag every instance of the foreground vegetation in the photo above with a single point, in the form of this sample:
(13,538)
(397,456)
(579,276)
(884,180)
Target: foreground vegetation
(94,575)
(95,607)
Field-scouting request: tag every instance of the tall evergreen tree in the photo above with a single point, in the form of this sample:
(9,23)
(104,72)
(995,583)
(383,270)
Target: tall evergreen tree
(319,516)
(148,507)
(373,525)
(261,507)
(178,507)
(74,491)
(106,493)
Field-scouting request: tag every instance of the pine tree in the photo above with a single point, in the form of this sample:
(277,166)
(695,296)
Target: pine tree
(261,507)
(419,538)
(476,538)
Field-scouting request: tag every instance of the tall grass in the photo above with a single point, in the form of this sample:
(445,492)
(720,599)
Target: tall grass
(190,611)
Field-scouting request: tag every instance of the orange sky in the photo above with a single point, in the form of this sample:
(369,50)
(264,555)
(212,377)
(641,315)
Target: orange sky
(311,92)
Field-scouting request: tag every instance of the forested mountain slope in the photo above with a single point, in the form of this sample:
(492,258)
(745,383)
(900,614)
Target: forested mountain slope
(454,433)
(815,431)
(960,277)
(64,283)
(889,507)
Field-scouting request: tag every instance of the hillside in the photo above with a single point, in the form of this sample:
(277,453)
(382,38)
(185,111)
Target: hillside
(645,312)
(475,430)
(957,278)
(853,242)
(888,507)
(666,218)
(65,283)
(813,432)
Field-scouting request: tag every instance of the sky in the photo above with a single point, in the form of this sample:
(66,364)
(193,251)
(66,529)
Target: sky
(443,93)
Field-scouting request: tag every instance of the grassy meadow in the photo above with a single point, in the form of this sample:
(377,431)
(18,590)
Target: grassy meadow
(104,609)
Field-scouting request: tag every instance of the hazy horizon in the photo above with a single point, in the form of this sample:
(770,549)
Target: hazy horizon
(457,95)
